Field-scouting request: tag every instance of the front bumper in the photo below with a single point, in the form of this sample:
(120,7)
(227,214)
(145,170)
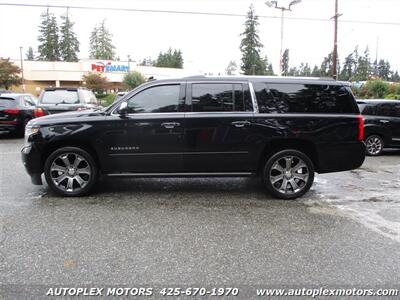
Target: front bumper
(32,163)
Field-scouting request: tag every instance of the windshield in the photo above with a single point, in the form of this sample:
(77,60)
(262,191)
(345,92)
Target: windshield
(60,97)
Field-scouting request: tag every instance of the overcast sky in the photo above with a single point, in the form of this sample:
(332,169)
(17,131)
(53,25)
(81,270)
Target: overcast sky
(210,42)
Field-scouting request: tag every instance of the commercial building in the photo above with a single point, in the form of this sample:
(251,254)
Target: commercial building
(41,74)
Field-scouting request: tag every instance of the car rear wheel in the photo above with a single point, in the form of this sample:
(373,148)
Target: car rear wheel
(70,171)
(288,174)
(374,145)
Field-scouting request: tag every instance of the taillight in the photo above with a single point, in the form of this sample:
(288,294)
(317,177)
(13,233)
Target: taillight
(12,111)
(38,112)
(360,128)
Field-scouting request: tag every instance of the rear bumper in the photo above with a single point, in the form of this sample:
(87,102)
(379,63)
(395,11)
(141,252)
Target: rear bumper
(9,127)
(340,157)
(32,163)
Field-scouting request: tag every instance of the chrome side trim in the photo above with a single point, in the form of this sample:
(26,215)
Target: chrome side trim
(396,139)
(253,98)
(200,174)
(177,153)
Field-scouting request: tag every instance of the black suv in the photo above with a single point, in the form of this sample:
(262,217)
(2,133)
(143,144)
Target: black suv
(64,99)
(16,110)
(382,124)
(282,129)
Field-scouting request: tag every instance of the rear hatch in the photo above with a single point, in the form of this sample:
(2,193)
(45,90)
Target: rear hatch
(8,108)
(60,100)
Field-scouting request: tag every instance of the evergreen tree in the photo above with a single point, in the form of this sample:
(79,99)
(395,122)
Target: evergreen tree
(383,69)
(304,70)
(29,54)
(326,66)
(69,44)
(101,46)
(268,67)
(49,48)
(250,46)
(231,68)
(285,63)
(170,59)
(364,69)
(316,72)
(349,67)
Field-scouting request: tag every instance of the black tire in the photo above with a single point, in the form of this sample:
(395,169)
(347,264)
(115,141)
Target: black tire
(303,177)
(85,164)
(374,145)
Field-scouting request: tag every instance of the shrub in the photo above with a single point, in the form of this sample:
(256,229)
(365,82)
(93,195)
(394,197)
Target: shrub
(133,79)
(377,88)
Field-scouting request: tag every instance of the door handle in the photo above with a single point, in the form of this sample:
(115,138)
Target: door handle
(240,124)
(384,121)
(170,125)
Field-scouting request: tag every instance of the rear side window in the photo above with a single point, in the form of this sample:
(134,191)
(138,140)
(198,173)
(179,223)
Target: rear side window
(8,102)
(220,97)
(388,109)
(89,97)
(304,98)
(60,97)
(367,109)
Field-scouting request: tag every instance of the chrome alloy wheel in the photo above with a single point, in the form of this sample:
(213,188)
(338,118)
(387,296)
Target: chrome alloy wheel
(374,145)
(70,172)
(289,175)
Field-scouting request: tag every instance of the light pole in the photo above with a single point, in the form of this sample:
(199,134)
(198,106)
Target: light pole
(129,63)
(274,4)
(22,69)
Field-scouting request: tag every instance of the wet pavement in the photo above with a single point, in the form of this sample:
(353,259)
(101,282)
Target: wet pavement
(345,231)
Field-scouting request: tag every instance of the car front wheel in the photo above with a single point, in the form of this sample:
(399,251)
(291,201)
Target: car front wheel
(70,171)
(288,174)
(374,145)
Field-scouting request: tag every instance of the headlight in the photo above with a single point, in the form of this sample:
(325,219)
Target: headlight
(30,130)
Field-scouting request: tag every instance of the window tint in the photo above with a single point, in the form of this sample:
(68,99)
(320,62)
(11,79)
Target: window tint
(60,96)
(266,102)
(89,97)
(156,99)
(367,109)
(28,101)
(214,97)
(388,109)
(7,102)
(304,98)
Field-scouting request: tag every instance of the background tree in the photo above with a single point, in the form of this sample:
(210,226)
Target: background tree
(133,79)
(170,59)
(349,67)
(268,67)
(101,46)
(69,44)
(285,63)
(383,69)
(231,68)
(147,62)
(364,68)
(95,82)
(250,46)
(9,74)
(49,48)
(327,66)
(29,54)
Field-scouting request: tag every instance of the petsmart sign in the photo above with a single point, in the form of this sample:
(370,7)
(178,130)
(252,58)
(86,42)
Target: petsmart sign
(109,67)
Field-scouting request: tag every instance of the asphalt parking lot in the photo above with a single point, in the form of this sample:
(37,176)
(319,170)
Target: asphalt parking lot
(345,231)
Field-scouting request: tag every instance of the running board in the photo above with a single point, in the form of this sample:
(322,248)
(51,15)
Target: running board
(201,174)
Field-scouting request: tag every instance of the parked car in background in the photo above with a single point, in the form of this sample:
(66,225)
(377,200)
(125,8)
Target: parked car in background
(64,99)
(281,129)
(16,110)
(382,124)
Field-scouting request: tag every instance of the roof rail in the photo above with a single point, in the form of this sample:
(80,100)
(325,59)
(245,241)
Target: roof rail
(195,77)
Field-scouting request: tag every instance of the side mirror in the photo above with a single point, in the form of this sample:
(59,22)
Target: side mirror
(123,109)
